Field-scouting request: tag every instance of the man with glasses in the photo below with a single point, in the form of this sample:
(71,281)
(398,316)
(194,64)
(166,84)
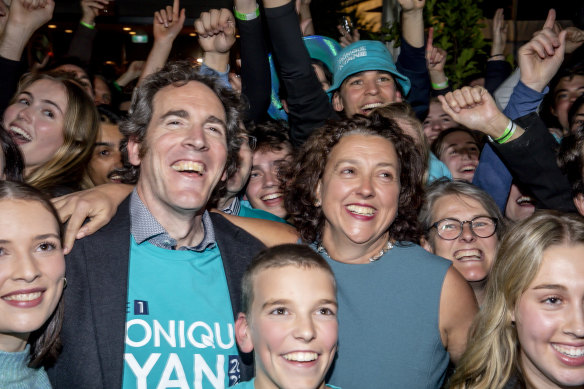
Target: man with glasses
(462,223)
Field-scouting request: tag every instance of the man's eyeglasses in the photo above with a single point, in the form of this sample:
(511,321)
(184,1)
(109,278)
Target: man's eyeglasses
(450,228)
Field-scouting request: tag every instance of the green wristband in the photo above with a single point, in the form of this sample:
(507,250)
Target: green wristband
(91,27)
(249,16)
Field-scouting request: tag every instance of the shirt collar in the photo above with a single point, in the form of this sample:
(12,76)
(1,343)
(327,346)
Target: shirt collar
(144,227)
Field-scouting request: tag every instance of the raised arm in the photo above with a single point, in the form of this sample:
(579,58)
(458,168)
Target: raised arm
(497,68)
(216,31)
(435,61)
(24,18)
(82,42)
(529,155)
(167,24)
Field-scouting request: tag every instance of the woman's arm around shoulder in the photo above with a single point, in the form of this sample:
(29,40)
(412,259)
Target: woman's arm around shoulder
(268,232)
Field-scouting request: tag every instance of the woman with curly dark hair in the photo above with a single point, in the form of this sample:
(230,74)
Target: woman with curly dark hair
(353,191)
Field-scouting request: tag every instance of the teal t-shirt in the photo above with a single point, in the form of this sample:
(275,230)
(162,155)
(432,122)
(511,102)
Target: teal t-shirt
(250,385)
(179,321)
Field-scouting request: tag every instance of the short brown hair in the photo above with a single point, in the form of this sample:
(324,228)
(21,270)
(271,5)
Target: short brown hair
(297,255)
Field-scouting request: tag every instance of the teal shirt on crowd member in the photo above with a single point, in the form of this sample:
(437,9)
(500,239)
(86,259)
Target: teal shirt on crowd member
(15,373)
(250,385)
(179,327)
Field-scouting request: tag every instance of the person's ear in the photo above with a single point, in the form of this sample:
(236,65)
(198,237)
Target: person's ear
(242,334)
(426,245)
(398,97)
(579,203)
(134,151)
(317,195)
(337,101)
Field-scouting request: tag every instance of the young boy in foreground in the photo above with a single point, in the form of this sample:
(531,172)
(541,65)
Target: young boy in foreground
(289,318)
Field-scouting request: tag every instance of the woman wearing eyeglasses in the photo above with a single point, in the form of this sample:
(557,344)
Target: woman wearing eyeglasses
(462,223)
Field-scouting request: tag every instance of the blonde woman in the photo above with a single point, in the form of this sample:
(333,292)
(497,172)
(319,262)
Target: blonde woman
(530,330)
(54,123)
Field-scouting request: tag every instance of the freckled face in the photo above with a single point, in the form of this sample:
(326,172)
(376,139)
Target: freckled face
(549,318)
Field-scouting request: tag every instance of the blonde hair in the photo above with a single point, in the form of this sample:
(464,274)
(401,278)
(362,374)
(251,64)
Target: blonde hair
(491,357)
(80,128)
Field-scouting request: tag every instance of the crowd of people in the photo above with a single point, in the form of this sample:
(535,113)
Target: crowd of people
(318,216)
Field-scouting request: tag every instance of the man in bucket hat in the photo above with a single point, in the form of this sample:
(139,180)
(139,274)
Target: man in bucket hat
(365,77)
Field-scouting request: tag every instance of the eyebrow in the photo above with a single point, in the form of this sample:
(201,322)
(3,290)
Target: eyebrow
(465,143)
(38,237)
(270,303)
(550,286)
(44,101)
(109,144)
(354,162)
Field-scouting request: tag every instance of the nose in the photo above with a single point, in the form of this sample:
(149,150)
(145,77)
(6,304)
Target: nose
(271,178)
(575,323)
(304,328)
(467,235)
(24,114)
(371,87)
(26,268)
(195,138)
(366,187)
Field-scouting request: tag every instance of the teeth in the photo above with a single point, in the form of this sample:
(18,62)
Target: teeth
(19,131)
(301,356)
(189,166)
(271,196)
(23,297)
(468,169)
(570,351)
(524,199)
(467,253)
(371,106)
(359,210)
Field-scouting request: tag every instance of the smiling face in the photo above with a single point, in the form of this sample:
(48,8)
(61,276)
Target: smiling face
(364,91)
(436,121)
(565,93)
(106,155)
(471,256)
(549,318)
(292,327)
(35,121)
(460,153)
(264,189)
(359,191)
(32,268)
(519,206)
(184,152)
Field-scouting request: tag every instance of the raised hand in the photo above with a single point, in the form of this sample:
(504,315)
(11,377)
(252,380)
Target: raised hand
(168,22)
(412,5)
(91,8)
(574,38)
(346,39)
(540,58)
(216,30)
(435,56)
(474,108)
(499,33)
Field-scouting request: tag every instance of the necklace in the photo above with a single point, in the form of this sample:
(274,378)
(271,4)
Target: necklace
(320,248)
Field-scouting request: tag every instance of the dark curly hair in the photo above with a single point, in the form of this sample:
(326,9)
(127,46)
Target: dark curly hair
(177,74)
(571,160)
(307,168)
